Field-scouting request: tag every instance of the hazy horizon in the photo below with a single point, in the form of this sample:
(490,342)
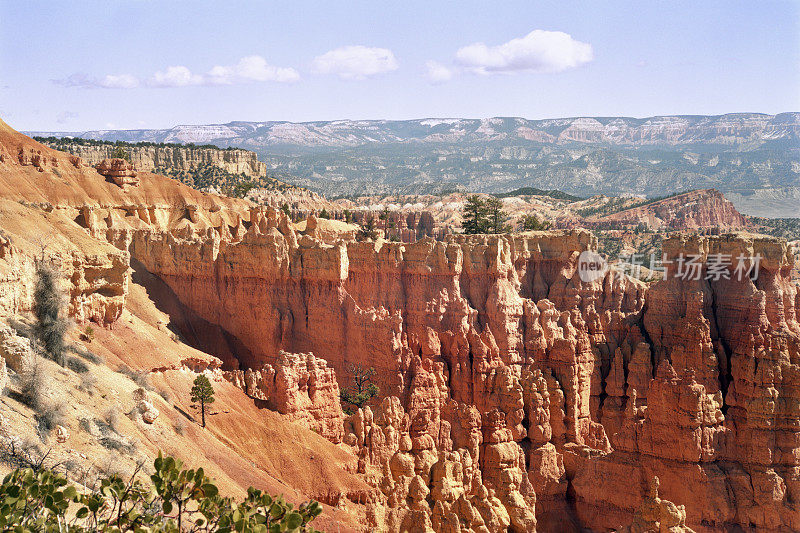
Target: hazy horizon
(408,120)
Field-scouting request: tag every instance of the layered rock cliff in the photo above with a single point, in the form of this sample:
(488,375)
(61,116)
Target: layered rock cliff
(153,158)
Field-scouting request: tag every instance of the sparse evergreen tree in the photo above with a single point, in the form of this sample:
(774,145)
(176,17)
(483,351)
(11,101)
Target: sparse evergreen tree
(324,214)
(474,216)
(367,230)
(532,223)
(385,217)
(121,153)
(285,209)
(202,393)
(495,216)
(48,301)
(348,217)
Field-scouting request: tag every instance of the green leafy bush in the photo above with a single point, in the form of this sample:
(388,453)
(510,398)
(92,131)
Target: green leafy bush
(174,500)
(532,223)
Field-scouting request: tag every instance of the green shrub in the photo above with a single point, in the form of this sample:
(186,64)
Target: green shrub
(173,500)
(88,333)
(532,223)
(121,153)
(367,230)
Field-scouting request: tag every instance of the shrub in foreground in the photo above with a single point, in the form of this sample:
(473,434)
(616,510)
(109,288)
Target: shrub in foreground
(174,500)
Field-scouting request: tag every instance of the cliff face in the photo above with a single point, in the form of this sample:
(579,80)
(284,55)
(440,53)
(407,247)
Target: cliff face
(45,198)
(158,158)
(716,423)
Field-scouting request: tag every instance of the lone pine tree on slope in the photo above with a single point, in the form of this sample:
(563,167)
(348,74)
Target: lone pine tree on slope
(202,393)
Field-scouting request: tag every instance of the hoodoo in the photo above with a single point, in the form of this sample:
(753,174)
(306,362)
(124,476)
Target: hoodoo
(120,171)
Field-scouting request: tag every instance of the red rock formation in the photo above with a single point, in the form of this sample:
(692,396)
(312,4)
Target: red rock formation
(450,328)
(716,427)
(120,171)
(696,209)
(300,386)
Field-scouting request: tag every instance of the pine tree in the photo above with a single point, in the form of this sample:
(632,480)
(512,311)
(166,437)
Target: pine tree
(202,393)
(367,230)
(495,216)
(385,217)
(121,153)
(474,216)
(532,223)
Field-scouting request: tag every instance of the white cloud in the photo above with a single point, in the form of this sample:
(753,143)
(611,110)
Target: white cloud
(355,62)
(119,81)
(177,76)
(250,69)
(539,51)
(247,70)
(110,81)
(438,73)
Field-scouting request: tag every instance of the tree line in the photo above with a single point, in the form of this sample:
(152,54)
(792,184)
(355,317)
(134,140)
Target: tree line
(487,215)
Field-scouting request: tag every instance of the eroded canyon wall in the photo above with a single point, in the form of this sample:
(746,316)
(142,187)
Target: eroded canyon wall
(517,382)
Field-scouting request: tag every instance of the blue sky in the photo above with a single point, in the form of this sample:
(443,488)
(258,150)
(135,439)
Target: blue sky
(153,64)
